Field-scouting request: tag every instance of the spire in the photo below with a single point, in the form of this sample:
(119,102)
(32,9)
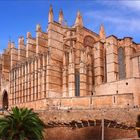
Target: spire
(21,40)
(50,14)
(61,18)
(29,35)
(12,45)
(79,20)
(9,44)
(102,32)
(38,27)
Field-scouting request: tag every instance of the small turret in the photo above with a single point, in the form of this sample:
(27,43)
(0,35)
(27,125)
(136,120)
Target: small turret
(102,32)
(9,44)
(50,15)
(79,20)
(21,40)
(12,45)
(61,17)
(29,35)
(38,27)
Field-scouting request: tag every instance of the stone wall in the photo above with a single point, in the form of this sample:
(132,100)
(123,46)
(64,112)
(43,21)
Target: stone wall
(127,116)
(88,133)
(87,102)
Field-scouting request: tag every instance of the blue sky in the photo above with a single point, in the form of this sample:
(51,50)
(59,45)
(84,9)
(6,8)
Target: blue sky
(120,17)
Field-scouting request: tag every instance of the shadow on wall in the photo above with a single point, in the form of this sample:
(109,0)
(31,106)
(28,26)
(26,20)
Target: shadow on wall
(88,133)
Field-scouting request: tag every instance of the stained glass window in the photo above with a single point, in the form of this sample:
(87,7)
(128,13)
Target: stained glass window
(77,84)
(121,63)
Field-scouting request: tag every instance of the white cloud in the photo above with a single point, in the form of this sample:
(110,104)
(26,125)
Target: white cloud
(121,23)
(123,4)
(134,4)
(1,51)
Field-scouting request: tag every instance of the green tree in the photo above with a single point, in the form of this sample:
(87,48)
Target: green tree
(138,125)
(21,124)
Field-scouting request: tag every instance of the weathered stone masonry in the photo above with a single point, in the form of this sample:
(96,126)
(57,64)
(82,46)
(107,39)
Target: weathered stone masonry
(72,71)
(69,62)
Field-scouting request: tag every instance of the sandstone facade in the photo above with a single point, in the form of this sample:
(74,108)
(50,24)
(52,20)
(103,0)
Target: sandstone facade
(70,67)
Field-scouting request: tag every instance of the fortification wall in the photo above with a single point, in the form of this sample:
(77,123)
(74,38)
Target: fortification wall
(127,116)
(88,133)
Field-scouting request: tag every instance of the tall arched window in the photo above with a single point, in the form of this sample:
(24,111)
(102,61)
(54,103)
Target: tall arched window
(5,100)
(121,63)
(77,84)
(105,67)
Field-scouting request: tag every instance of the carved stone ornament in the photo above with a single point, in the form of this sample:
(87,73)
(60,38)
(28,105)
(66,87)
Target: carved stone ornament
(89,41)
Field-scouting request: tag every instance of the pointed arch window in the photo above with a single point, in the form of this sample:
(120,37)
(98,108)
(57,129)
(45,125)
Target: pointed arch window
(105,67)
(121,63)
(77,84)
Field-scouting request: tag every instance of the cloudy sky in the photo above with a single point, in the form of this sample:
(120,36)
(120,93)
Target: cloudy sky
(120,17)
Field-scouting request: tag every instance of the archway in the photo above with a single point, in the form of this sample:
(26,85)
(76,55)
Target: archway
(5,100)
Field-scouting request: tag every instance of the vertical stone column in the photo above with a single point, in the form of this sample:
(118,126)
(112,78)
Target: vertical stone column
(20,87)
(39,77)
(13,87)
(30,91)
(25,85)
(78,45)
(36,79)
(83,74)
(65,80)
(48,74)
(135,66)
(71,74)
(54,69)
(112,59)
(22,80)
(14,54)
(15,93)
(26,80)
(43,89)
(28,83)
(16,85)
(128,53)
(21,49)
(41,40)
(32,80)
(98,63)
(31,45)
(89,74)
